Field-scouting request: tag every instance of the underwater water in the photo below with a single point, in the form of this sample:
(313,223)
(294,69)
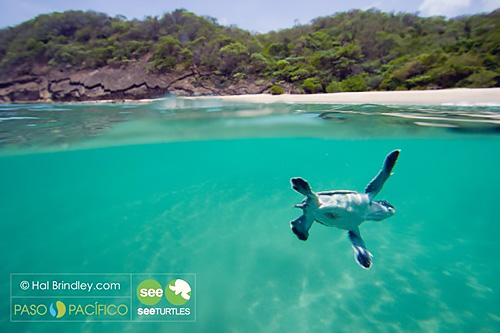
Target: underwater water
(204,187)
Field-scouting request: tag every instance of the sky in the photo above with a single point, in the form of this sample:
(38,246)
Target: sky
(253,15)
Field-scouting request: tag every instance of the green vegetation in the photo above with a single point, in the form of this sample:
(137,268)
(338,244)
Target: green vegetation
(312,85)
(277,90)
(353,51)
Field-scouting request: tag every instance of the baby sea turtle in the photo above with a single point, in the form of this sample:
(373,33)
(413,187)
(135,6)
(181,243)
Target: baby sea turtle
(345,209)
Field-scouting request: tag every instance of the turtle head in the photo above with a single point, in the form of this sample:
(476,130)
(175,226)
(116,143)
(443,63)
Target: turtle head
(380,210)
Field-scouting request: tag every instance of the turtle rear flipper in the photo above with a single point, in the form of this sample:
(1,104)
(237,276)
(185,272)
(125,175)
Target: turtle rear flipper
(361,254)
(377,183)
(301,226)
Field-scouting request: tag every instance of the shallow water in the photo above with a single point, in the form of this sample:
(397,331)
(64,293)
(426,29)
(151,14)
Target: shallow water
(203,187)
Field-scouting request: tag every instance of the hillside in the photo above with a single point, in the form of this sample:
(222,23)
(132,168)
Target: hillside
(79,55)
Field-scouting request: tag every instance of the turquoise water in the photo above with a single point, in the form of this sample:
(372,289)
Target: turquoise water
(203,187)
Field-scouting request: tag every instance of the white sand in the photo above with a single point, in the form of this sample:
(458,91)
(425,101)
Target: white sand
(462,96)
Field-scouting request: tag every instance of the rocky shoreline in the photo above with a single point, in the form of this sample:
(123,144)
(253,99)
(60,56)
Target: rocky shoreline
(133,82)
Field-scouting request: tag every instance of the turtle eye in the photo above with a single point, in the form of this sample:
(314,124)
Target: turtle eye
(386,204)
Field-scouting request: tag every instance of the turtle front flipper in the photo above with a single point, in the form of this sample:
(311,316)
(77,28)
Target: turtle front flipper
(362,256)
(302,186)
(377,183)
(301,226)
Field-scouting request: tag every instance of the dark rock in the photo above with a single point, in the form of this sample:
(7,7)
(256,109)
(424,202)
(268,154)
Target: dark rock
(111,83)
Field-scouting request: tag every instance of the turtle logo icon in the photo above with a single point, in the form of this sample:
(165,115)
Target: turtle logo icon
(178,292)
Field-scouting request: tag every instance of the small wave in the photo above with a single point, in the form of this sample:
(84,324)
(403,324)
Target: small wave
(421,123)
(18,118)
(430,117)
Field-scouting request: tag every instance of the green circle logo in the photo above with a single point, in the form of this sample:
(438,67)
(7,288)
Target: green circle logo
(178,292)
(149,292)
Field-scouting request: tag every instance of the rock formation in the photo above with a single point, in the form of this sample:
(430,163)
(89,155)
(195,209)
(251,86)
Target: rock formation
(119,83)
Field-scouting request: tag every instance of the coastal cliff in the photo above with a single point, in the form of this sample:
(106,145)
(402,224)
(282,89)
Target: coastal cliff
(127,82)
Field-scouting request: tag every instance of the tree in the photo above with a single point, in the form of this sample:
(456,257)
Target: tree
(234,56)
(312,85)
(354,83)
(166,53)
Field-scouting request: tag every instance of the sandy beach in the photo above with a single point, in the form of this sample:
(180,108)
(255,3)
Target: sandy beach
(462,96)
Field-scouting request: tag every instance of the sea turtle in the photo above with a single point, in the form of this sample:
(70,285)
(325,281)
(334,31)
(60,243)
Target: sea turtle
(345,209)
